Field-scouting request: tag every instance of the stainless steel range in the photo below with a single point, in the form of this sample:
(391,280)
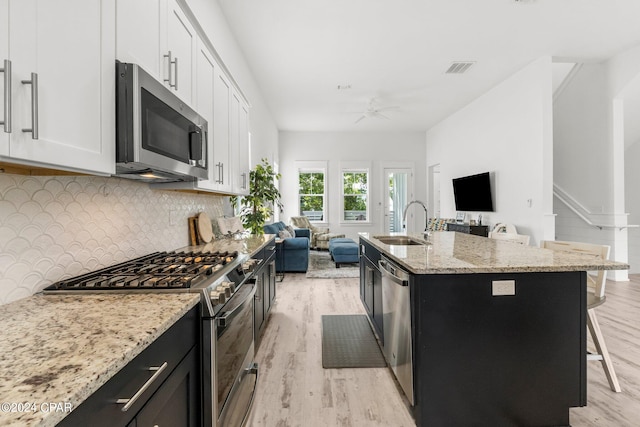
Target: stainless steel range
(224,281)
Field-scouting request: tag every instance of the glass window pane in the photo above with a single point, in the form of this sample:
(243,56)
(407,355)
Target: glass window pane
(305,183)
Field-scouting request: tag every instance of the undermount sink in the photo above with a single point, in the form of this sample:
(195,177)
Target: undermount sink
(399,240)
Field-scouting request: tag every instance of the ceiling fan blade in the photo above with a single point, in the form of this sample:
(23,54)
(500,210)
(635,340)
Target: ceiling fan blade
(361,117)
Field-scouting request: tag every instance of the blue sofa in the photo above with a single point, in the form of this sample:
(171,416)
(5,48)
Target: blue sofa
(292,254)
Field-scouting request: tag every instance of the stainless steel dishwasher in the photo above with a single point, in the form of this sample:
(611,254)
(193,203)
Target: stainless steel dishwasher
(396,311)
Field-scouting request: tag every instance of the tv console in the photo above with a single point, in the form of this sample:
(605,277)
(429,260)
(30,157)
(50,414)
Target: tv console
(478,230)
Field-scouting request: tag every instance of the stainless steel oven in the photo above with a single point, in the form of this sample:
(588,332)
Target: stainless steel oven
(228,352)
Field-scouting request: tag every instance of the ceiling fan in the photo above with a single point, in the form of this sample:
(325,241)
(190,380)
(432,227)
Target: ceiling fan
(375,112)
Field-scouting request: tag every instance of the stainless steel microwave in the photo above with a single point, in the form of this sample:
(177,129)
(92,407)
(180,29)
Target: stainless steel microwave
(159,138)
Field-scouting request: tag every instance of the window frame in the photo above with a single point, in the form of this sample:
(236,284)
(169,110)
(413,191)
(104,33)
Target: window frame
(355,168)
(314,167)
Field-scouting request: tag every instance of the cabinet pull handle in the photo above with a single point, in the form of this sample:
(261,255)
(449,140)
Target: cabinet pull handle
(129,402)
(220,166)
(7,95)
(34,105)
(168,79)
(175,74)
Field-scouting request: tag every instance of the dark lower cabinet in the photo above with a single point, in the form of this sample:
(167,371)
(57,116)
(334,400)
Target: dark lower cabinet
(163,383)
(265,277)
(371,286)
(176,403)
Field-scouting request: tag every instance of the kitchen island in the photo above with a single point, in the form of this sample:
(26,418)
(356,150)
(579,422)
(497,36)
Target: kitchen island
(496,330)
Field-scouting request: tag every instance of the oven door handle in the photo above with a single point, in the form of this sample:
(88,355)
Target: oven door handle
(224,320)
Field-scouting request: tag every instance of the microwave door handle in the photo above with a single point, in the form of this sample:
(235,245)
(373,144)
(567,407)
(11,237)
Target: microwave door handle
(195,146)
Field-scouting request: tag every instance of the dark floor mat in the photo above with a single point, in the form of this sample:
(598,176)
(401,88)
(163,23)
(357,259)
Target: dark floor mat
(348,342)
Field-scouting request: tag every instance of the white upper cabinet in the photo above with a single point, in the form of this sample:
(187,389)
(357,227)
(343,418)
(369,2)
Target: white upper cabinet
(61,110)
(222,133)
(181,43)
(142,36)
(244,160)
(5,85)
(157,35)
(239,140)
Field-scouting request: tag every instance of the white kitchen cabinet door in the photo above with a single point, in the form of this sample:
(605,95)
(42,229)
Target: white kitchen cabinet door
(141,35)
(206,77)
(244,149)
(222,132)
(233,141)
(63,84)
(182,41)
(239,142)
(5,88)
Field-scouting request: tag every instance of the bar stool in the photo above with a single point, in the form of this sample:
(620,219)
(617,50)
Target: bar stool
(595,297)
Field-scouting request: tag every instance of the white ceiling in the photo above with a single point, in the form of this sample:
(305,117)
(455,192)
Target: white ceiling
(398,50)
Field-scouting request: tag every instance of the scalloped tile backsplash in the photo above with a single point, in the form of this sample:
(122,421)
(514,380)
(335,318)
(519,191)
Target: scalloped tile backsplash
(57,227)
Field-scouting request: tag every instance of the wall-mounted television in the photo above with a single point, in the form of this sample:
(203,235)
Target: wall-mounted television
(473,193)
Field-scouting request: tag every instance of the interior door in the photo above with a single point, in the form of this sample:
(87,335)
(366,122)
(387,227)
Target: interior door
(398,191)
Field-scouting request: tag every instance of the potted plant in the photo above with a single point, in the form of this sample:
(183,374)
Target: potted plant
(263,195)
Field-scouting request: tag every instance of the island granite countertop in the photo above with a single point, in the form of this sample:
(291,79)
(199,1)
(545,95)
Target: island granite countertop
(448,252)
(59,349)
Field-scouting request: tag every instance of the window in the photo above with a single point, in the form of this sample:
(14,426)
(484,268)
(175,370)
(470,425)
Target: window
(355,195)
(311,193)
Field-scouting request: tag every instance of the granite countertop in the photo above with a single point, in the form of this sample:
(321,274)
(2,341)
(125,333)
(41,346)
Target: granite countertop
(62,348)
(59,349)
(459,253)
(249,244)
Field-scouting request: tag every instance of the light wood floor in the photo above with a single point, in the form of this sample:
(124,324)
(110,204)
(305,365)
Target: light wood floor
(294,389)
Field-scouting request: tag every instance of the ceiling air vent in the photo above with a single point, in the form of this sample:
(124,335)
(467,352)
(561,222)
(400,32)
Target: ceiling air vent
(459,67)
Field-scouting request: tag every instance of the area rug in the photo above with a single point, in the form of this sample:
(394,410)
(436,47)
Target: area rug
(348,342)
(321,266)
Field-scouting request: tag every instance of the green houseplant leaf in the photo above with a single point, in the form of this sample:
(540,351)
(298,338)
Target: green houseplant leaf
(257,206)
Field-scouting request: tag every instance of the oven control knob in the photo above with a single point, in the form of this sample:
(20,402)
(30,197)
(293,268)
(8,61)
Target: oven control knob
(224,290)
(217,297)
(230,285)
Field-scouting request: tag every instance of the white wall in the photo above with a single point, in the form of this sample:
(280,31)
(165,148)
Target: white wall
(264,133)
(591,163)
(508,132)
(381,149)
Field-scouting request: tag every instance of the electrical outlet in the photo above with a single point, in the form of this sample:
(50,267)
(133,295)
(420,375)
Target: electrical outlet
(503,287)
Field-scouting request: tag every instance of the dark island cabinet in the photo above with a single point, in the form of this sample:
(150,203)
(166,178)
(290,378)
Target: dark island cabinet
(162,383)
(371,286)
(265,278)
(492,358)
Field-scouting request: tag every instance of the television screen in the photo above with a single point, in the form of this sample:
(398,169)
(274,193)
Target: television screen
(473,193)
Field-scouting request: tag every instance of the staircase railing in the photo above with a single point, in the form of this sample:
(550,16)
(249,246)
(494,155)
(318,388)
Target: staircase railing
(582,212)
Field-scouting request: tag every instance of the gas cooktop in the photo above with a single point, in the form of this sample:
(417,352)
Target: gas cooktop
(159,270)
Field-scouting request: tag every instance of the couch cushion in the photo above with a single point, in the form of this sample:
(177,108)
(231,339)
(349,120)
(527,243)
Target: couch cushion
(274,228)
(284,234)
(295,243)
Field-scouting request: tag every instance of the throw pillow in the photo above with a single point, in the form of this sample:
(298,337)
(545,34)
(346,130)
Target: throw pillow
(284,234)
(290,230)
